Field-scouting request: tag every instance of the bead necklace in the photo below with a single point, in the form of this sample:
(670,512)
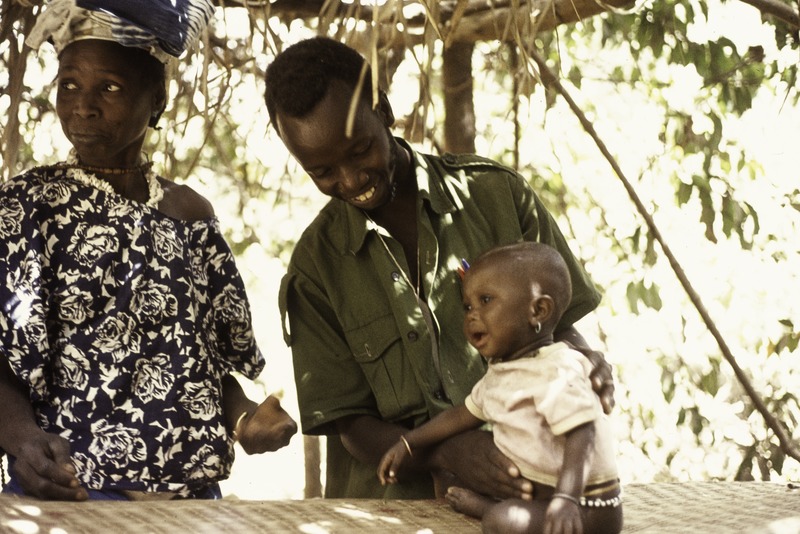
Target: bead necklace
(79,172)
(117,171)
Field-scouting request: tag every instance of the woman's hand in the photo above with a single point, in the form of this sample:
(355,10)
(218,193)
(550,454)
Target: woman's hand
(268,428)
(42,462)
(44,469)
(478,464)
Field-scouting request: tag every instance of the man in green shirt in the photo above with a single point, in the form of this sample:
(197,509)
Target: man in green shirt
(371,302)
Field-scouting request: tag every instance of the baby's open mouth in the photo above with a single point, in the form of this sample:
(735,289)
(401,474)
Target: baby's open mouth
(477,337)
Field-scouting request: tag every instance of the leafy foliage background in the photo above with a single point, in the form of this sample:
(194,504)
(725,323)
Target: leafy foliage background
(697,102)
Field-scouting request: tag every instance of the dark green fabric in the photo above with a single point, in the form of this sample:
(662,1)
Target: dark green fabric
(359,341)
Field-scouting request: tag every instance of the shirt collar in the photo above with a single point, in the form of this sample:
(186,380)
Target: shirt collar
(431,191)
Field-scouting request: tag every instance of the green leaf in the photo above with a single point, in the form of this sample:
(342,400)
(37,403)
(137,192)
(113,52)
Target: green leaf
(652,297)
(684,193)
(707,214)
(710,383)
(633,295)
(668,385)
(650,255)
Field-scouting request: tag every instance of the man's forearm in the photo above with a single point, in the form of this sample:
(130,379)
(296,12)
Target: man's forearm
(573,337)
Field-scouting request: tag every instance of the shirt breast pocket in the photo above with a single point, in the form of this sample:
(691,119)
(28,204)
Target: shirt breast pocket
(378,349)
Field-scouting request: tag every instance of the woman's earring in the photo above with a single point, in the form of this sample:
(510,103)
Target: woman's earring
(538,328)
(154,120)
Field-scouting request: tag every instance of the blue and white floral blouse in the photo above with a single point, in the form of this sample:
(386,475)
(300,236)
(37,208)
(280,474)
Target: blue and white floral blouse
(122,322)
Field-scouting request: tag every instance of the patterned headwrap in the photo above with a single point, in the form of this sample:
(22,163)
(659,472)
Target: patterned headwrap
(164,28)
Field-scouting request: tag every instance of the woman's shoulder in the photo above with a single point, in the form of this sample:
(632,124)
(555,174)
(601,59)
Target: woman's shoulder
(184,203)
(30,181)
(36,175)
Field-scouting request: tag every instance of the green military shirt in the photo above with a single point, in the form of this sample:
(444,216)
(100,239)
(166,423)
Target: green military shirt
(360,342)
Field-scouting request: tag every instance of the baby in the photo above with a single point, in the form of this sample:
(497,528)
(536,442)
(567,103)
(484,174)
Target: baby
(537,396)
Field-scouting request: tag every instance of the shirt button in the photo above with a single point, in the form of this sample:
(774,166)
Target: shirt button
(439,394)
(395,276)
(412,336)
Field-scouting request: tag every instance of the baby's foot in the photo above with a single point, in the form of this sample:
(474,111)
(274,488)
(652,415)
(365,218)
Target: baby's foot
(468,502)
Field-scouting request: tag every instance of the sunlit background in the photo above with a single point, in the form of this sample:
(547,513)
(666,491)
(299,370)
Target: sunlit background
(681,414)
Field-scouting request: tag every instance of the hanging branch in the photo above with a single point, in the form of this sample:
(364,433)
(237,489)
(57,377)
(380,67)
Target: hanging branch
(778,10)
(17,65)
(550,80)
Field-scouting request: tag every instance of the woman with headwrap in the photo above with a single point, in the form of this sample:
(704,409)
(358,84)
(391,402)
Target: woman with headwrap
(122,312)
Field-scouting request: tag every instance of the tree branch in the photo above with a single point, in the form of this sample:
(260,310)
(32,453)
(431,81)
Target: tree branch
(777,9)
(470,21)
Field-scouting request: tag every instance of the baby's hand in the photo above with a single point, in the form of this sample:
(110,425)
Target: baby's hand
(391,462)
(563,516)
(268,428)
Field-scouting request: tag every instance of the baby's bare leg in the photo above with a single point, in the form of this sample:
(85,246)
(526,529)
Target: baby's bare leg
(515,516)
(520,516)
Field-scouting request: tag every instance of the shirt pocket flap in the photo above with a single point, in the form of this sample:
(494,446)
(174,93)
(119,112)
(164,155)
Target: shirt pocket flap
(371,341)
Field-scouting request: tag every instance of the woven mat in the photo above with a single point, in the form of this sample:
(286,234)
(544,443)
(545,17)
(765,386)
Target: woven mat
(714,507)
(314,516)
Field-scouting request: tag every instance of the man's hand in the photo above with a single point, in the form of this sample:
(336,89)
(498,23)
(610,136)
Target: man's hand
(602,379)
(267,429)
(480,466)
(44,469)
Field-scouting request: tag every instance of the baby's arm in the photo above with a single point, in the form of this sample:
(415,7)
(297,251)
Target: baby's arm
(563,512)
(448,423)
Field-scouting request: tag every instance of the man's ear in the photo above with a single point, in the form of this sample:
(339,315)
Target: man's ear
(385,109)
(542,308)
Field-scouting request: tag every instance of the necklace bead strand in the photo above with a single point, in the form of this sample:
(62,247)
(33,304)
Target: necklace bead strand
(117,171)
(88,176)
